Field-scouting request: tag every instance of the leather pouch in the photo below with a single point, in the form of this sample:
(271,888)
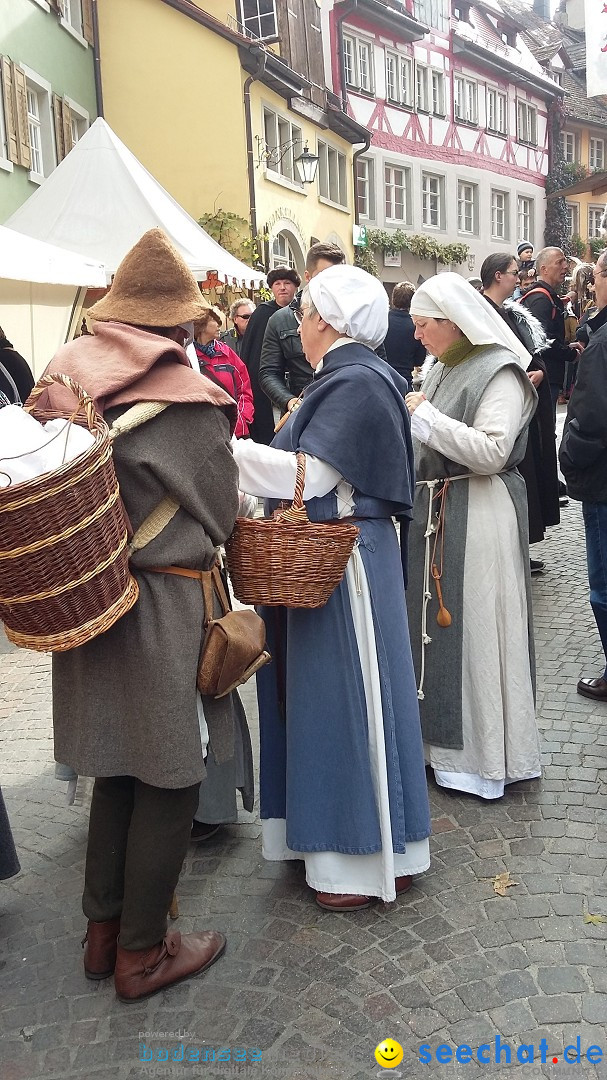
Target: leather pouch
(233,647)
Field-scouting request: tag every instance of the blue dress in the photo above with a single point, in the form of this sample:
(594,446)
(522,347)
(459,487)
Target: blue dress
(342,764)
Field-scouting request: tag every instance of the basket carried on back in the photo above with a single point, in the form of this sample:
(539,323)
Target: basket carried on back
(289,560)
(64,574)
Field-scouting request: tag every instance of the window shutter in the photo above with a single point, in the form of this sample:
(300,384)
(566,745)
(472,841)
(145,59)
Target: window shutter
(56,6)
(23,140)
(12,139)
(58,124)
(87,21)
(67,128)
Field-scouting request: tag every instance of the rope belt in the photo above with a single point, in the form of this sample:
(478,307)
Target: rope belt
(436,530)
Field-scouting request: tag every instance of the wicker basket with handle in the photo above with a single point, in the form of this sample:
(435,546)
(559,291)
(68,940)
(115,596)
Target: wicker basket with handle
(64,574)
(289,560)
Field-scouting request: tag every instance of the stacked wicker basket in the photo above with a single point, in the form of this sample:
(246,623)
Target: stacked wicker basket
(64,575)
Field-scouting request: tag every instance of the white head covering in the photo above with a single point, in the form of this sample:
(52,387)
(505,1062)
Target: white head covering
(352,302)
(449,296)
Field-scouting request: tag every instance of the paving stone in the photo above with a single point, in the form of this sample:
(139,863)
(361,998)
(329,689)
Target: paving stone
(560,1008)
(560,980)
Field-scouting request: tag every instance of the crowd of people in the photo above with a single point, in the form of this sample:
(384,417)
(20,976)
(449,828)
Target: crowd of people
(423,654)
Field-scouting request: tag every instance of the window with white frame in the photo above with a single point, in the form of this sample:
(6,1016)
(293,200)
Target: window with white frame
(526,116)
(399,79)
(437,80)
(34,131)
(467,207)
(499,215)
(79,121)
(524,218)
(465,105)
(282,253)
(569,146)
(358,63)
(432,13)
(595,215)
(259,17)
(597,154)
(573,218)
(3,140)
(397,189)
(71,11)
(422,98)
(283,145)
(496,111)
(365,188)
(432,200)
(332,174)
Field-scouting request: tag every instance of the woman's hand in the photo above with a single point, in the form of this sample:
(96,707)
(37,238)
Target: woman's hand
(535,378)
(414,399)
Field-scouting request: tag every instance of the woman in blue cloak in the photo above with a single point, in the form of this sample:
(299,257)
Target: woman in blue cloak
(342,771)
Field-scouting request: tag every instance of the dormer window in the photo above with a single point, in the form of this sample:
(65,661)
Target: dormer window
(461,11)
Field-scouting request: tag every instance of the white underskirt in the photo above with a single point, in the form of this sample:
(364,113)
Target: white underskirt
(332,871)
(500,736)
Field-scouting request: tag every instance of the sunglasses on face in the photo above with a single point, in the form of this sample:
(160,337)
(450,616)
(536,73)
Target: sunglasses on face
(247,316)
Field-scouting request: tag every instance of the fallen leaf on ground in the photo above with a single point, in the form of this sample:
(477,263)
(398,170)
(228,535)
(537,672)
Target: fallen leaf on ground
(501,882)
(596,920)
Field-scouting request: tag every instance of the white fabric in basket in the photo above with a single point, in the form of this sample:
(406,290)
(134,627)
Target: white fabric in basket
(29,449)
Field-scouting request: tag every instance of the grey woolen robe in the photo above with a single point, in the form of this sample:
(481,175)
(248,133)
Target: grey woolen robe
(124,704)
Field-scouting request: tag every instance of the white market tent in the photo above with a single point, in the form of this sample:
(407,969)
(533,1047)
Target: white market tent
(41,292)
(100,200)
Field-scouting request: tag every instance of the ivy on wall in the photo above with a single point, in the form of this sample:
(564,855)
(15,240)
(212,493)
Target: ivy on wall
(424,247)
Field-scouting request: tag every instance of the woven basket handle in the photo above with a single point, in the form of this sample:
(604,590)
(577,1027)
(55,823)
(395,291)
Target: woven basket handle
(296,513)
(85,403)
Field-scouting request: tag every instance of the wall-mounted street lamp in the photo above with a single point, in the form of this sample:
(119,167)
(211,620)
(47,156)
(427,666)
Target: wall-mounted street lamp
(306,164)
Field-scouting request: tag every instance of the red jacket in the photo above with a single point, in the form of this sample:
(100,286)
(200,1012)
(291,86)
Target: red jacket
(226,368)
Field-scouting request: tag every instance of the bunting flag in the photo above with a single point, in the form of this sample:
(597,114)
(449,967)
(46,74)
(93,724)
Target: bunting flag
(596,47)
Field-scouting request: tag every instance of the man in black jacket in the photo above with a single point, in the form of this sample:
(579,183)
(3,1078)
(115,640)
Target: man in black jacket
(283,282)
(583,457)
(403,350)
(543,301)
(283,369)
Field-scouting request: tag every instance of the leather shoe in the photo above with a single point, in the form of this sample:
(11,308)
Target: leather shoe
(142,972)
(403,884)
(100,944)
(342,901)
(593,688)
(202,831)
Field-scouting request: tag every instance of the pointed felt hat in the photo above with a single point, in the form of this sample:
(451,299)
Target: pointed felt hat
(151,287)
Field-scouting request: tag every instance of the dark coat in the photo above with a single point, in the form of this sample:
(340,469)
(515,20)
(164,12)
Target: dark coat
(16,373)
(583,453)
(550,312)
(9,863)
(403,352)
(234,340)
(262,428)
(283,369)
(538,467)
(124,704)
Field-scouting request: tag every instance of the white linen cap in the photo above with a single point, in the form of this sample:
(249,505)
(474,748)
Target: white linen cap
(449,296)
(352,302)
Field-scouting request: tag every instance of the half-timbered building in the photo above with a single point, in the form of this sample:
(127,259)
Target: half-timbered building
(457,108)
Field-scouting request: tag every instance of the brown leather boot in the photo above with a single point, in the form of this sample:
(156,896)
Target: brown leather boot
(142,972)
(100,944)
(403,884)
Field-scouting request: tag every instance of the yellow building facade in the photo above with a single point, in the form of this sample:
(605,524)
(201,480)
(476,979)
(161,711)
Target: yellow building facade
(219,119)
(586,145)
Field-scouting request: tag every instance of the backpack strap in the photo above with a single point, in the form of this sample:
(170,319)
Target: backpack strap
(539,289)
(162,514)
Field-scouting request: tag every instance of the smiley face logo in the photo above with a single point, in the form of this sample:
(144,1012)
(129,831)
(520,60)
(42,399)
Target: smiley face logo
(389,1054)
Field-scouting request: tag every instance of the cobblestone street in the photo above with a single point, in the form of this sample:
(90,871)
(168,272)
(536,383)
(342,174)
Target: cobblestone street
(451,962)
